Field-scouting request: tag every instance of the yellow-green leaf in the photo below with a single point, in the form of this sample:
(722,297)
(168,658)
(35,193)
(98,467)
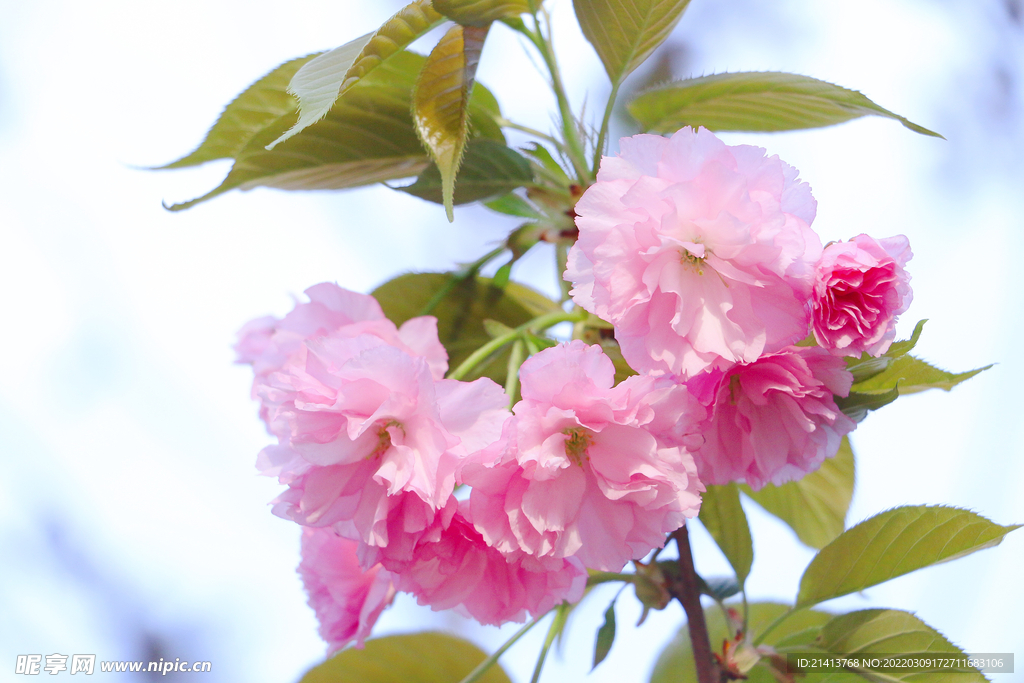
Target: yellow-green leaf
(625,32)
(894,543)
(461,307)
(912,375)
(441,102)
(754,101)
(723,517)
(367,137)
(259,105)
(815,506)
(412,658)
(488,169)
(675,664)
(871,632)
(320,82)
(481,12)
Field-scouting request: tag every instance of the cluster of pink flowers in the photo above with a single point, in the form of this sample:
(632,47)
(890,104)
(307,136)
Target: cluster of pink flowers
(702,257)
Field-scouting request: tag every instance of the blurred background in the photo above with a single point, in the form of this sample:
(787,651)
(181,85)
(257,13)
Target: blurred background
(132,523)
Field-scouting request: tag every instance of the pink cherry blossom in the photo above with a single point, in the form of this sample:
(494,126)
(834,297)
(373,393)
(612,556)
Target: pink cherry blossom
(773,420)
(701,254)
(860,289)
(370,441)
(585,469)
(461,571)
(346,599)
(267,343)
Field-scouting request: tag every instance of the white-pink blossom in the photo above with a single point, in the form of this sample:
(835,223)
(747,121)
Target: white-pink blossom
(860,289)
(701,254)
(585,469)
(774,420)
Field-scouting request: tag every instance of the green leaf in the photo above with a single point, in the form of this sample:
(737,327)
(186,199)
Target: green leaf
(856,406)
(367,137)
(484,113)
(441,102)
(718,587)
(625,32)
(258,106)
(723,517)
(815,506)
(894,543)
(912,375)
(412,658)
(461,312)
(675,663)
(898,348)
(489,168)
(889,631)
(320,82)
(605,636)
(481,12)
(513,205)
(754,101)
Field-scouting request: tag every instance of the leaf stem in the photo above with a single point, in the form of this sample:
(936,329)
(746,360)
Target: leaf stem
(573,146)
(605,577)
(687,591)
(605,123)
(505,123)
(772,626)
(538,324)
(557,624)
(467,271)
(515,359)
(482,668)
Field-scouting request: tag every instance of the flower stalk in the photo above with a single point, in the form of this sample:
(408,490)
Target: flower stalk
(687,591)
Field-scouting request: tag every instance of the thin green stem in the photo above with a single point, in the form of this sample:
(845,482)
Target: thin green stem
(573,145)
(467,271)
(607,577)
(557,624)
(605,123)
(482,668)
(561,262)
(505,123)
(515,359)
(772,626)
(538,324)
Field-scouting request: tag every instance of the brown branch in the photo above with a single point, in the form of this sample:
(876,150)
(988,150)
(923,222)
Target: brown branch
(687,591)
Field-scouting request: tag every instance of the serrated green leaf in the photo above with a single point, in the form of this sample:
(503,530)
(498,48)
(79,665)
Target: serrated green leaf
(441,102)
(889,631)
(367,137)
(320,82)
(723,517)
(754,101)
(625,32)
(912,375)
(488,168)
(675,663)
(815,506)
(894,543)
(605,636)
(481,12)
(866,368)
(856,406)
(411,658)
(898,348)
(259,105)
(462,311)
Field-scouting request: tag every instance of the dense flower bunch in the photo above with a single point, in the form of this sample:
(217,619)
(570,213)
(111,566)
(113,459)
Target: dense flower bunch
(702,257)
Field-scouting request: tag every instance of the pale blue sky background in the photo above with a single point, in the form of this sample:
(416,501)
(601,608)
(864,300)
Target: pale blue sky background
(132,524)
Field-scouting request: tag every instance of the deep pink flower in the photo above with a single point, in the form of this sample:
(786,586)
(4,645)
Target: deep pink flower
(346,599)
(586,469)
(861,288)
(461,571)
(701,254)
(370,441)
(773,420)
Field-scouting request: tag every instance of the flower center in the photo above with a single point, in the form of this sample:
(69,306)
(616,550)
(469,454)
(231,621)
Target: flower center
(577,441)
(693,255)
(384,438)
